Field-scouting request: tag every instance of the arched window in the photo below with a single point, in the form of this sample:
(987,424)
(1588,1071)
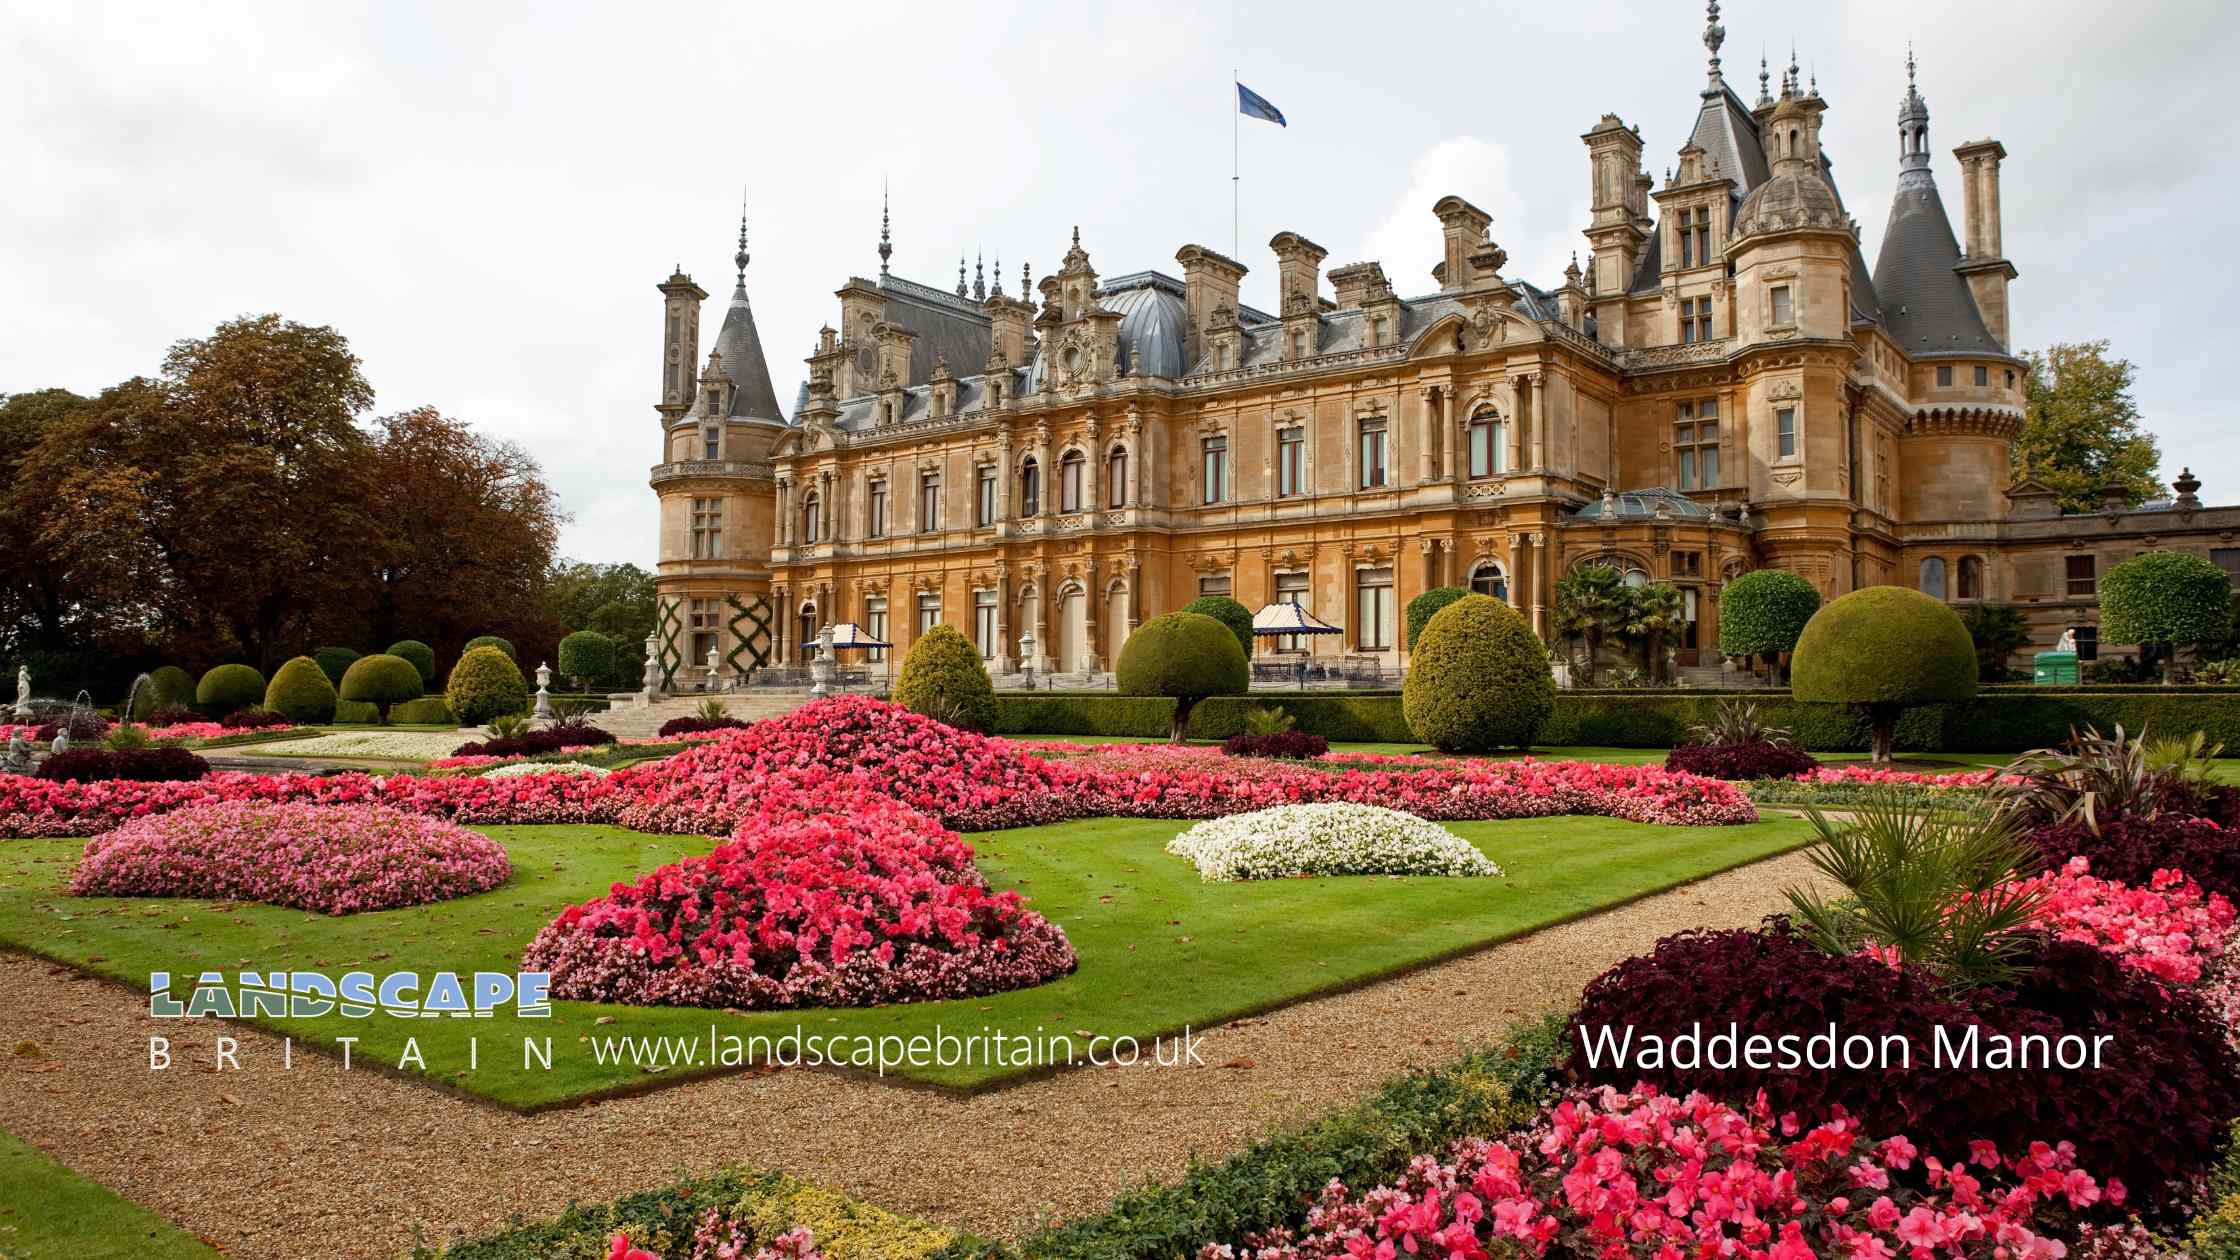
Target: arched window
(1030,489)
(806,645)
(1070,466)
(1971,577)
(1637,578)
(1489,440)
(1116,470)
(1932,577)
(1488,579)
(812,518)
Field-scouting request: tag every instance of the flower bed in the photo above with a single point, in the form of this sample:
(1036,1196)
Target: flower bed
(1650,1175)
(333,859)
(522,769)
(379,745)
(36,807)
(191,730)
(2169,929)
(1329,839)
(531,743)
(147,765)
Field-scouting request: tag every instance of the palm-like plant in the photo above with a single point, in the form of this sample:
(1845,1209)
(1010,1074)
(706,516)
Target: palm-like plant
(1938,889)
(2091,776)
(712,710)
(1653,613)
(1589,599)
(1266,720)
(1738,722)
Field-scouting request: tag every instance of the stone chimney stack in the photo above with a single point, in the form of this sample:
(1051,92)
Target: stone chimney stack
(1007,330)
(1356,283)
(1984,263)
(1209,283)
(1464,226)
(680,344)
(1298,268)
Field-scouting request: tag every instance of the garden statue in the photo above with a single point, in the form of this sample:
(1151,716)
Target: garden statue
(18,758)
(820,666)
(1026,656)
(2067,642)
(23,693)
(544,696)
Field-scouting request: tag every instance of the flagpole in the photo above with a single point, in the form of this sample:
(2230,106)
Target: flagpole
(1236,110)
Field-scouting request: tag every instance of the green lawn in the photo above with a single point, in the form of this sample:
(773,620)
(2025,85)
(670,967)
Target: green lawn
(48,1212)
(1159,949)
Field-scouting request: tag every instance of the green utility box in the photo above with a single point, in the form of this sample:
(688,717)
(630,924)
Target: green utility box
(2054,669)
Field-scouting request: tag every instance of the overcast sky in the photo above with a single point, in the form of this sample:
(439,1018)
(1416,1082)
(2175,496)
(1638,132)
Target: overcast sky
(482,197)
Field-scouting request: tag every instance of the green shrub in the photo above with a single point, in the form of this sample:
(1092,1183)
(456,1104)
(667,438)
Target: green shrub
(1186,657)
(1057,713)
(301,693)
(483,685)
(381,680)
(1884,649)
(427,710)
(944,679)
(1763,612)
(356,712)
(588,657)
(172,685)
(1424,607)
(422,656)
(229,687)
(1998,631)
(1229,613)
(2216,1229)
(1341,718)
(1478,680)
(2164,598)
(334,662)
(492,641)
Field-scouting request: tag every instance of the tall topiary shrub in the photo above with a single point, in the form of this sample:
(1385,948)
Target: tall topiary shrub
(2164,600)
(229,687)
(422,656)
(173,686)
(1424,607)
(301,693)
(944,679)
(587,658)
(1478,679)
(1762,612)
(491,640)
(1229,613)
(1884,650)
(380,680)
(1186,657)
(485,684)
(334,662)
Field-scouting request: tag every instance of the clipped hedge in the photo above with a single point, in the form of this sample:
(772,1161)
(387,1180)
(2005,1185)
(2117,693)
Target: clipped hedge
(427,710)
(491,640)
(334,662)
(1229,613)
(301,693)
(1339,717)
(229,687)
(422,656)
(1479,680)
(1424,607)
(943,678)
(483,685)
(1184,656)
(173,686)
(381,680)
(357,712)
(1055,713)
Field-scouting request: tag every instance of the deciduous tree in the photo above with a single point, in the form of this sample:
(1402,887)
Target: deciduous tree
(2081,430)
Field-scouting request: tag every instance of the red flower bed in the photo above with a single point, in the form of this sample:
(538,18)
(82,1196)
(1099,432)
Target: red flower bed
(38,807)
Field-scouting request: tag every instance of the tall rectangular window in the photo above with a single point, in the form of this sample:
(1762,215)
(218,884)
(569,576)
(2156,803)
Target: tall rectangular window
(1292,588)
(984,503)
(875,625)
(1695,444)
(2083,577)
(711,444)
(707,529)
(1784,308)
(1373,472)
(1703,235)
(929,503)
(1983,377)
(1069,481)
(1695,319)
(1944,377)
(1687,238)
(704,625)
(878,512)
(929,612)
(1785,431)
(1216,470)
(984,624)
(1291,461)
(1489,445)
(1373,610)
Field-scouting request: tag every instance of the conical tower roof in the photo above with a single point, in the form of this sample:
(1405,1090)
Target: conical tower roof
(752,395)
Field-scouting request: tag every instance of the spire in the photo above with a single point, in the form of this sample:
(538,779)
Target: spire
(1714,35)
(738,348)
(979,279)
(1765,97)
(740,258)
(1026,278)
(886,241)
(1791,81)
(997,291)
(961,290)
(1913,133)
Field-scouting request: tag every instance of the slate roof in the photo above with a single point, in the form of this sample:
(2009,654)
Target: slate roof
(753,396)
(948,326)
(1926,305)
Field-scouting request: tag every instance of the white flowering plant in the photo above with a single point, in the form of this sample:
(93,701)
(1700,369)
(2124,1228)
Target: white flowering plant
(1337,838)
(522,769)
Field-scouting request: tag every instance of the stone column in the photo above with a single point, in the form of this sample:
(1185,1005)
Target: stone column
(1093,492)
(1005,475)
(1092,595)
(1542,585)
(1539,422)
(1516,572)
(1046,503)
(1002,663)
(785,512)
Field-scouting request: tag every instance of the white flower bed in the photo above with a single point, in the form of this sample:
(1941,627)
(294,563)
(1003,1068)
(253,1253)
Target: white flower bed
(521,769)
(386,745)
(1332,839)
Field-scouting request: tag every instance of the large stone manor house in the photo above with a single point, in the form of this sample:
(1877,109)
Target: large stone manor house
(1726,385)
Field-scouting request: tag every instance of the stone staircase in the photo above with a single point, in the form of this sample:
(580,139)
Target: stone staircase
(628,717)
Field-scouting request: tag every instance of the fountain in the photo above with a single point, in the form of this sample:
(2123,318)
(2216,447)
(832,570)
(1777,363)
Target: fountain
(132,698)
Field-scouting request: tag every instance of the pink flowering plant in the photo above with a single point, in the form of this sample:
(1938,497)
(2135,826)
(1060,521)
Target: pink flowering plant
(1642,1174)
(2169,929)
(336,859)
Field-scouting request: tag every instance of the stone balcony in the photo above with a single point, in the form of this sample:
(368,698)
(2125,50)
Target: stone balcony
(682,469)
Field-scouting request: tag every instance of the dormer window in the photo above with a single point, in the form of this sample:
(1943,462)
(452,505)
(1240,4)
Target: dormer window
(1703,234)
(1377,330)
(1299,345)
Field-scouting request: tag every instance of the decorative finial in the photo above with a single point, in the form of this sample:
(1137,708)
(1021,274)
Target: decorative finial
(1026,277)
(979,279)
(997,290)
(741,257)
(1814,90)
(1077,236)
(886,240)
(1765,97)
(1909,65)
(1714,35)
(1791,81)
(961,290)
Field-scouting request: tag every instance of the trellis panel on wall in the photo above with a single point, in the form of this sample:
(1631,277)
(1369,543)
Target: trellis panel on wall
(753,644)
(671,624)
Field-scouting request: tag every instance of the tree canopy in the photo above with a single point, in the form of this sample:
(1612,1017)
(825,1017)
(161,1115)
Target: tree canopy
(2081,427)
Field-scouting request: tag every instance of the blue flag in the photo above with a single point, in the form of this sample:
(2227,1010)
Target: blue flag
(1253,105)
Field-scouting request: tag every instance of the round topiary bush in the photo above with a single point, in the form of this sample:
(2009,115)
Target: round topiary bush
(485,684)
(1185,656)
(1763,612)
(944,679)
(1229,613)
(491,640)
(2165,598)
(1883,650)
(173,687)
(301,693)
(334,662)
(1424,607)
(1478,679)
(380,680)
(422,656)
(588,657)
(229,687)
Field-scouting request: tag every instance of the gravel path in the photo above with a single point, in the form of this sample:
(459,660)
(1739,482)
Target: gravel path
(316,1163)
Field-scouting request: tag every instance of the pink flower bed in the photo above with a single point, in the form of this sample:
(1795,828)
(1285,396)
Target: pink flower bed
(1647,1175)
(40,807)
(1910,778)
(338,859)
(195,730)
(830,892)
(2169,929)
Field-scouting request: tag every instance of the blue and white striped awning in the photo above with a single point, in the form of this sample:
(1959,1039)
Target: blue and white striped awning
(1289,618)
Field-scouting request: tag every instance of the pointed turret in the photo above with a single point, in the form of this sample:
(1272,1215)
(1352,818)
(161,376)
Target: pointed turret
(1926,303)
(752,397)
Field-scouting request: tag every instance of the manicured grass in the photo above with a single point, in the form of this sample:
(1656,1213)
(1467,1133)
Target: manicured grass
(1159,948)
(48,1212)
